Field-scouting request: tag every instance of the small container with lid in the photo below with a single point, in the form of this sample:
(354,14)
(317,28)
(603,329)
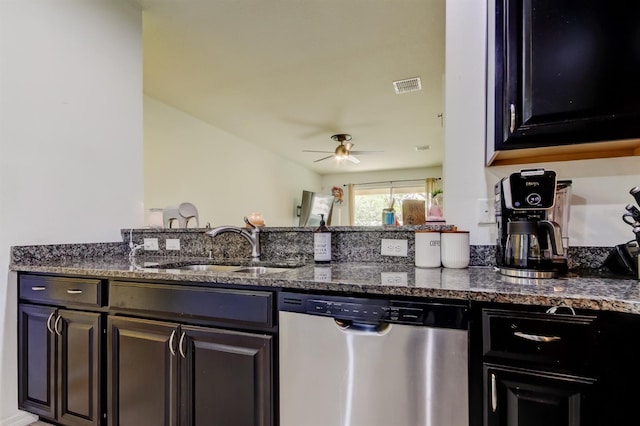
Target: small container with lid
(427,245)
(454,249)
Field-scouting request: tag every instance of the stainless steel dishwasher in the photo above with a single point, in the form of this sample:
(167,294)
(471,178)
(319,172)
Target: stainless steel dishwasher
(348,361)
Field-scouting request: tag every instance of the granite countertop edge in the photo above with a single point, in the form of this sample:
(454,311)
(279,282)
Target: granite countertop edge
(480,284)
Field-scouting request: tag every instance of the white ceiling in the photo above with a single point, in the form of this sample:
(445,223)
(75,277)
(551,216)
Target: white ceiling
(288,74)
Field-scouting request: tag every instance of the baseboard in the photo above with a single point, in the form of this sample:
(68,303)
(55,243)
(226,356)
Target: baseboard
(21,418)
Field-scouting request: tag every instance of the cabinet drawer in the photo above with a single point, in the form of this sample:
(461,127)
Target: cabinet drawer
(564,341)
(182,301)
(61,290)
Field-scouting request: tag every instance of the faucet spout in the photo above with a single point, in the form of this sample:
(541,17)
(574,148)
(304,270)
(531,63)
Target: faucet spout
(251,234)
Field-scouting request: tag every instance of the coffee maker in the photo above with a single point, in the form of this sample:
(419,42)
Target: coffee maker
(531,243)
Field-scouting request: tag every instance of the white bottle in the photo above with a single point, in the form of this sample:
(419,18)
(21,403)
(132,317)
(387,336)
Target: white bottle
(322,243)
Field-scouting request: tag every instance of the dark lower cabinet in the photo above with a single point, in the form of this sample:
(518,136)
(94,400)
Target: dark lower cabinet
(59,364)
(520,397)
(226,377)
(143,373)
(533,366)
(164,373)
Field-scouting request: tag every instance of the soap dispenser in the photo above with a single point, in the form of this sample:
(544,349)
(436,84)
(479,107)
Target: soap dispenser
(322,243)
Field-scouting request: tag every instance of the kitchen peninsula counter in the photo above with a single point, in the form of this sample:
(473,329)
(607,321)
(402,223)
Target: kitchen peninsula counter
(483,284)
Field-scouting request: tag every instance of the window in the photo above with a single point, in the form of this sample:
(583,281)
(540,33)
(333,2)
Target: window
(370,200)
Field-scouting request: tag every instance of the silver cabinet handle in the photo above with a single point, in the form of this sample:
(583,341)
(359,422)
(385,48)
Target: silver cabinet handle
(173,334)
(49,322)
(55,326)
(38,288)
(512,111)
(74,291)
(554,309)
(536,337)
(494,393)
(182,353)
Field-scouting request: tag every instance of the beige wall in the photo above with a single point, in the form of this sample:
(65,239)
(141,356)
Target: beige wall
(70,138)
(188,160)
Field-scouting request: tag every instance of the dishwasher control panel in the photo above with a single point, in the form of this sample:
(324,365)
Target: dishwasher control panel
(371,310)
(364,311)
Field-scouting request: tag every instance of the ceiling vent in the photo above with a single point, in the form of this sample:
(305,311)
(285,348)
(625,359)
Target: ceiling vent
(408,85)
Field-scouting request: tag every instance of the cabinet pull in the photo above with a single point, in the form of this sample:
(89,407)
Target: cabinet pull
(38,288)
(49,322)
(536,337)
(554,309)
(55,326)
(512,111)
(173,334)
(74,291)
(494,393)
(182,353)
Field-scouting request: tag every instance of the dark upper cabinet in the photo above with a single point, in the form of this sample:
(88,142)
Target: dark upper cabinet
(566,74)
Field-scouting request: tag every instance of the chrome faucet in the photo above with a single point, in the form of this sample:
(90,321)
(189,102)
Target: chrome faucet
(251,234)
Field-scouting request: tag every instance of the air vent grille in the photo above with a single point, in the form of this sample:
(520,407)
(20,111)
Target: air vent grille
(407,85)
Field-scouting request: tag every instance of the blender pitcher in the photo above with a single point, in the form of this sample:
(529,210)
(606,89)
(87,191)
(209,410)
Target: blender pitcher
(561,209)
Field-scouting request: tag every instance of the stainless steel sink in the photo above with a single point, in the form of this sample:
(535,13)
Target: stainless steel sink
(209,268)
(257,270)
(249,270)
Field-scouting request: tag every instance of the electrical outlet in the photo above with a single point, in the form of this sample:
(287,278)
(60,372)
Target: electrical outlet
(393,278)
(172,243)
(151,244)
(484,212)
(394,248)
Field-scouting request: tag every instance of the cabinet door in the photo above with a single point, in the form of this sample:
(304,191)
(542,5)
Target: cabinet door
(79,367)
(143,372)
(226,378)
(566,72)
(36,360)
(516,397)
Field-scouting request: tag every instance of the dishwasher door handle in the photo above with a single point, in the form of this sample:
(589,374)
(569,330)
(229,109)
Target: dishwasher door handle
(354,327)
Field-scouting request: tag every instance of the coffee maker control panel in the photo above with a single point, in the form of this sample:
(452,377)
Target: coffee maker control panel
(530,190)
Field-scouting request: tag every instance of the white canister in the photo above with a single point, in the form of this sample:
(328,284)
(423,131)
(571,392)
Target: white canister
(427,249)
(454,249)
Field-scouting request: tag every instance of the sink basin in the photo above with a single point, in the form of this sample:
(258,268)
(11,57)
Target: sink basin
(250,270)
(209,268)
(257,270)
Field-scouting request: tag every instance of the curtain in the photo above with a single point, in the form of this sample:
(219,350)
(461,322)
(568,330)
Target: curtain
(352,204)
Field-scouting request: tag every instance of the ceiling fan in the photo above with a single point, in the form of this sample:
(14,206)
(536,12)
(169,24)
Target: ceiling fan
(343,151)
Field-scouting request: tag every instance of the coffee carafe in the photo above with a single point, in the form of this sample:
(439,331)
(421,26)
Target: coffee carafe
(530,243)
(523,248)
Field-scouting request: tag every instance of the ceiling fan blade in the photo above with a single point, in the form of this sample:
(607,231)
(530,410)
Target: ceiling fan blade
(322,152)
(366,152)
(353,159)
(349,145)
(325,158)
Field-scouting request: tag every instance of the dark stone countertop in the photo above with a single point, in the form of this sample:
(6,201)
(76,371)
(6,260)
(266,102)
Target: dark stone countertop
(474,283)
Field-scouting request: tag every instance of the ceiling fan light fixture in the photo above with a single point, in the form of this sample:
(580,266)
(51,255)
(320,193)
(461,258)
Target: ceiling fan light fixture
(341,151)
(407,85)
